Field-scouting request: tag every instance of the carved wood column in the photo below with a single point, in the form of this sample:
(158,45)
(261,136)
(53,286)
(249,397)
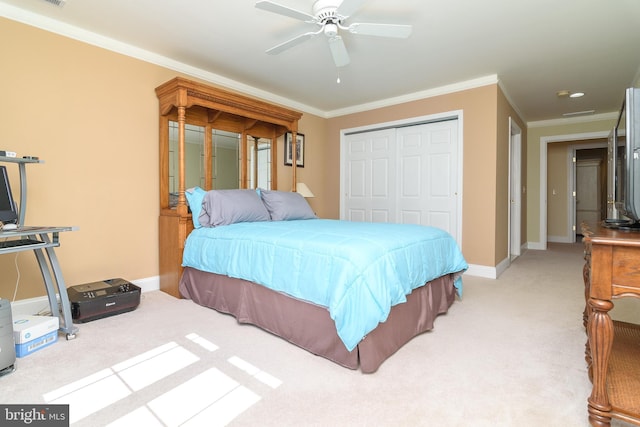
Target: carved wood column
(600,342)
(254,171)
(182,201)
(207,153)
(294,160)
(274,159)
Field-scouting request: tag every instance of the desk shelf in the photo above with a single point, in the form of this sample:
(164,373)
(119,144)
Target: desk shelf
(6,159)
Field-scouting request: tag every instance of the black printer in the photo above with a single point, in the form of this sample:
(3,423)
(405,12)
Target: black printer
(96,300)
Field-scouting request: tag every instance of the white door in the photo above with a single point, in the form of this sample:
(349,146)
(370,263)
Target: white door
(587,192)
(515,184)
(404,175)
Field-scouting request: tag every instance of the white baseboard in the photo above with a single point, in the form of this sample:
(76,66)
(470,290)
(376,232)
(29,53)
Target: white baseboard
(148,284)
(481,271)
(491,272)
(560,239)
(41,304)
(538,246)
(502,266)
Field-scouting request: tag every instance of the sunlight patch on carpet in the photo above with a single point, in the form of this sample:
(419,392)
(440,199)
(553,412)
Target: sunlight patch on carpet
(261,376)
(226,409)
(140,417)
(81,396)
(120,381)
(202,342)
(147,368)
(210,398)
(210,394)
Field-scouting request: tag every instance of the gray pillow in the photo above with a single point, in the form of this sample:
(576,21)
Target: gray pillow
(224,207)
(286,205)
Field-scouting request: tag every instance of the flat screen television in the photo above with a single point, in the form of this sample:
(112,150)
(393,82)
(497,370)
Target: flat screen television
(8,211)
(624,163)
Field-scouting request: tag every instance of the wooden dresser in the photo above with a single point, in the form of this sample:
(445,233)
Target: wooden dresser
(612,271)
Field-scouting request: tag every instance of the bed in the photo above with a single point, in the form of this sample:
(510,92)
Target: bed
(185,106)
(351,292)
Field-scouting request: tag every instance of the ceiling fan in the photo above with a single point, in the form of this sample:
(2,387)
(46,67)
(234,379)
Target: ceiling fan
(330,15)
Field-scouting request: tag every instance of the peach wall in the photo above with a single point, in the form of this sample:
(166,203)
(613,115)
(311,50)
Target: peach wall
(479,156)
(92,116)
(314,129)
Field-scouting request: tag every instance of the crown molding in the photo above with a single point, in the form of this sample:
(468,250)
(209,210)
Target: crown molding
(510,101)
(429,93)
(574,120)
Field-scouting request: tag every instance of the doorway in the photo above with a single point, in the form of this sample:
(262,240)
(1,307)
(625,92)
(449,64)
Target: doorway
(590,202)
(545,143)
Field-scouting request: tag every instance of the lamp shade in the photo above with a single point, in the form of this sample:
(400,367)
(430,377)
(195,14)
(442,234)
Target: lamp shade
(302,189)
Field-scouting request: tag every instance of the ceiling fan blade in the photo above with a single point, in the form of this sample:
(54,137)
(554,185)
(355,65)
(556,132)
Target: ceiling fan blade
(339,51)
(382,30)
(348,7)
(290,43)
(270,6)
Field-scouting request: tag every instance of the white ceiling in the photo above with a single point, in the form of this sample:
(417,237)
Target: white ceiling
(534,48)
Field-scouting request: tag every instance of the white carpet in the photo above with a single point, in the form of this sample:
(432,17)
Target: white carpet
(510,353)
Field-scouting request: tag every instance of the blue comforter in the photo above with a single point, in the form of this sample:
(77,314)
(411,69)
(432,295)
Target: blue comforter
(357,270)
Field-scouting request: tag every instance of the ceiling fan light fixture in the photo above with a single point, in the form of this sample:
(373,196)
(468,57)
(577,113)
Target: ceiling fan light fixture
(568,94)
(330,30)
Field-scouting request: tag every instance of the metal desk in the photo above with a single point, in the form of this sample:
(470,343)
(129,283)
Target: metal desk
(49,238)
(51,274)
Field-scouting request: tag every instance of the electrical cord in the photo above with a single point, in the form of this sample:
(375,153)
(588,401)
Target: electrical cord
(15,262)
(15,292)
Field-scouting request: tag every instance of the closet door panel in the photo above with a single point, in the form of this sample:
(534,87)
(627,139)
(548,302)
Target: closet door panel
(406,175)
(370,169)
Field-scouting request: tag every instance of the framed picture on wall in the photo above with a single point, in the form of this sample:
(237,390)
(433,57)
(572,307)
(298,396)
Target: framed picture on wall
(288,155)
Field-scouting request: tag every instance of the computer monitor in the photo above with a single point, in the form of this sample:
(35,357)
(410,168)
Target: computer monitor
(8,210)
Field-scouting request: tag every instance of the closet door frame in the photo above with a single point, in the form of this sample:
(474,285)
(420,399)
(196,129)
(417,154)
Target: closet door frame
(421,120)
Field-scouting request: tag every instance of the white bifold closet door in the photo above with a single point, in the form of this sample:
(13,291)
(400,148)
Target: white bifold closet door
(405,175)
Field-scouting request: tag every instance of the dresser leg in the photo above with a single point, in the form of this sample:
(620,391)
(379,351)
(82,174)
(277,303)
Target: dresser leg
(597,419)
(586,272)
(600,330)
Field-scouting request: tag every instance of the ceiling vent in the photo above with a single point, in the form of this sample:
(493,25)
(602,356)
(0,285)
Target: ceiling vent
(59,3)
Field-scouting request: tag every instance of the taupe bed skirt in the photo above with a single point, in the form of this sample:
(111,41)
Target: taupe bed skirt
(309,326)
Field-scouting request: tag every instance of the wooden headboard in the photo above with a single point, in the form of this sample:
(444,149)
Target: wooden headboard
(188,102)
